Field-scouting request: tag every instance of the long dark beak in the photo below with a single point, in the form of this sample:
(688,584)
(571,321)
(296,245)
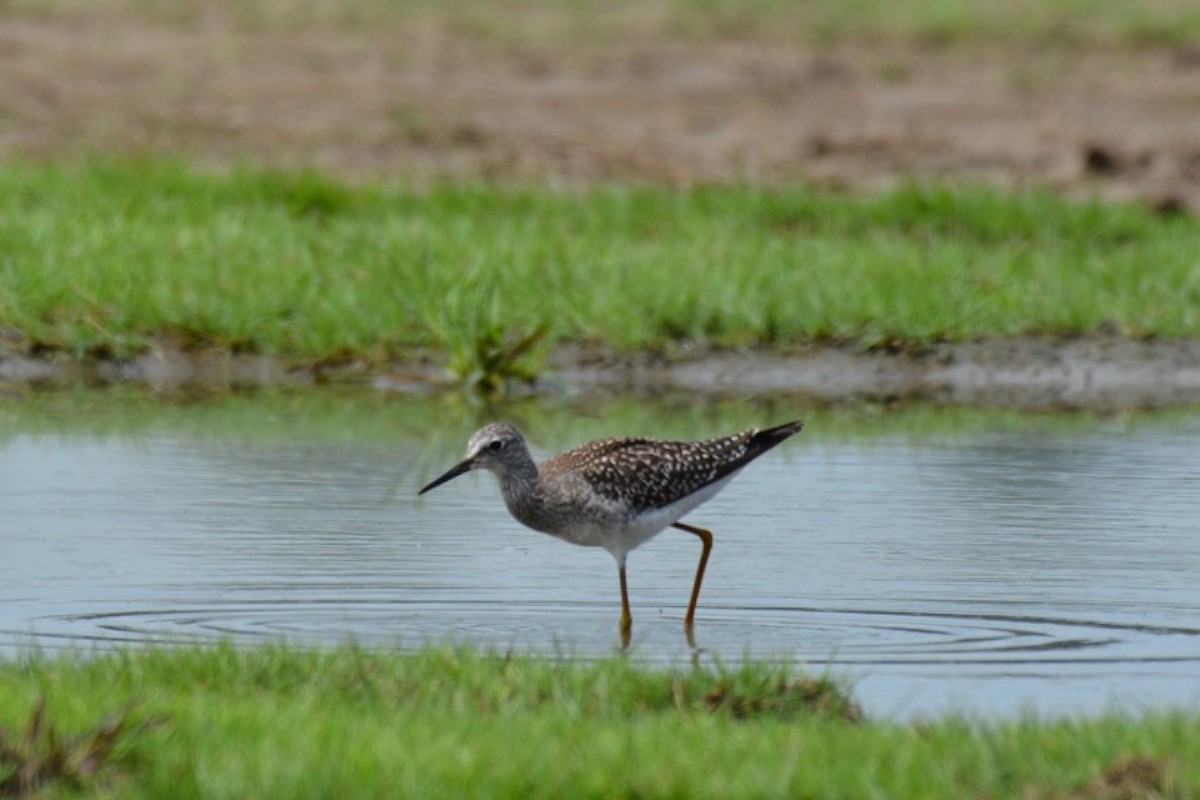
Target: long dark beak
(452,473)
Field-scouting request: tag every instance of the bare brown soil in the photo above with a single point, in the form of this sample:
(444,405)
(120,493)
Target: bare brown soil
(426,102)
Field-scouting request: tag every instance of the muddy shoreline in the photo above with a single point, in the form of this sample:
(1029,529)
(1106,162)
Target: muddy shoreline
(1095,373)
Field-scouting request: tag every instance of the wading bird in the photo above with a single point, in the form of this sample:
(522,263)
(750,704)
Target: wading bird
(615,493)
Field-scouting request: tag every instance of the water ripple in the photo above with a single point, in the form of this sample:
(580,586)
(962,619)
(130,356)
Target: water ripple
(845,636)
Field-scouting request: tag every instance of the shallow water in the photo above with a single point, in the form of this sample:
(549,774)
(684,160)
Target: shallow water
(983,563)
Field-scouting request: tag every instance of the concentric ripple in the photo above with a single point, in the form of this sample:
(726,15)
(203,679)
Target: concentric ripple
(845,636)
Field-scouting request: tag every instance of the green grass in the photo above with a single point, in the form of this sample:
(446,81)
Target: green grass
(445,722)
(537,22)
(103,258)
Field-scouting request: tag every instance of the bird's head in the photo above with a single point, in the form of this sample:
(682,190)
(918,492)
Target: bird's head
(495,447)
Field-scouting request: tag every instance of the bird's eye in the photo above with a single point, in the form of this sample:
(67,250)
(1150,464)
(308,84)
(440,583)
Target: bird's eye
(496,446)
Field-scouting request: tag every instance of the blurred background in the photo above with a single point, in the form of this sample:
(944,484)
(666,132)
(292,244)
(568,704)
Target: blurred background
(1088,96)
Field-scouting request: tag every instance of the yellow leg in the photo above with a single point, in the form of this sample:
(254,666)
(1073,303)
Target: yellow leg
(626,617)
(706,540)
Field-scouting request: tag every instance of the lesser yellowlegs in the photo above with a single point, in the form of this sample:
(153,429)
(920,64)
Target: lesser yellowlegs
(615,493)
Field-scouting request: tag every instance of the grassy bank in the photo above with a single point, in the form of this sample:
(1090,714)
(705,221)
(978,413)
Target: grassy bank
(103,258)
(274,722)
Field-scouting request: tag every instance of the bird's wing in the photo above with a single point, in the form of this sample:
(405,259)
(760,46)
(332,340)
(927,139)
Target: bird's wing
(647,473)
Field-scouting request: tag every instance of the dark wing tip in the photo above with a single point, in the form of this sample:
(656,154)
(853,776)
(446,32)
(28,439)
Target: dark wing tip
(758,443)
(764,440)
(779,432)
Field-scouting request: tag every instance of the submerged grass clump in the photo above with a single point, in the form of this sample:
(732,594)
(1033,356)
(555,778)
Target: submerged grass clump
(105,258)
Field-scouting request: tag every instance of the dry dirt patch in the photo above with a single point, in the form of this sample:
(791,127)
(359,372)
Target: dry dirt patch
(426,101)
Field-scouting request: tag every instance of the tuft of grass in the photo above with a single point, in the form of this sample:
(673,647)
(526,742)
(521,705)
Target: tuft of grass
(488,360)
(777,694)
(488,352)
(42,755)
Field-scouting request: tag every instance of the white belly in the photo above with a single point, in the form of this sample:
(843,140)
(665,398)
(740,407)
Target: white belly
(621,538)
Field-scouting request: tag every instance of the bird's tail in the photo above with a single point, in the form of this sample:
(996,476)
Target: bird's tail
(766,439)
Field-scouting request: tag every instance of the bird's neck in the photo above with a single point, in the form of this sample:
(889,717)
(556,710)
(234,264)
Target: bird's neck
(517,484)
(519,478)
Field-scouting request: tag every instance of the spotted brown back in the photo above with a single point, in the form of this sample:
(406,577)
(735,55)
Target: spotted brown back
(649,473)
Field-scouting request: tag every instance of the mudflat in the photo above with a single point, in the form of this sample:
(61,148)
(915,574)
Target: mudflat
(425,98)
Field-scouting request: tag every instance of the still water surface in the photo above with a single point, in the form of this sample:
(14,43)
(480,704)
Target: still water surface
(981,563)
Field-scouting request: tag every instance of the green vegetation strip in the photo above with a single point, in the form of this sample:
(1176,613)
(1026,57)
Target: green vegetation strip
(536,22)
(103,258)
(367,420)
(218,721)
